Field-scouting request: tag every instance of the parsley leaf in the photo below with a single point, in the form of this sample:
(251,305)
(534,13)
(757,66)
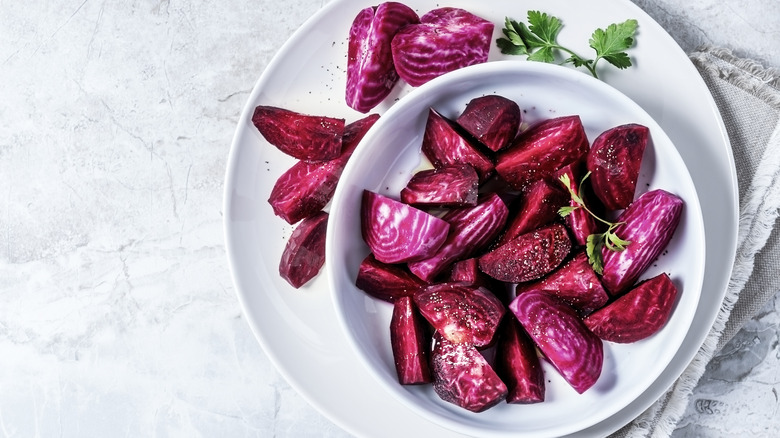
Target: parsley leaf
(610,44)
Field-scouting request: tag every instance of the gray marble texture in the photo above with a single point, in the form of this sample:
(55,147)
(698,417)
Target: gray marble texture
(117,311)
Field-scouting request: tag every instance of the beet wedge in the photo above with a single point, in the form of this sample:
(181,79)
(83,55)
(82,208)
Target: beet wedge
(302,136)
(371,74)
(446,39)
(306,188)
(638,314)
(528,256)
(397,232)
(461,313)
(385,281)
(410,343)
(649,224)
(537,206)
(559,333)
(493,120)
(463,377)
(447,186)
(580,222)
(443,144)
(304,253)
(614,161)
(471,230)
(541,150)
(518,365)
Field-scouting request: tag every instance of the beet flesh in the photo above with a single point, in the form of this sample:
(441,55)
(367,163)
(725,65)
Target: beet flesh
(304,252)
(302,136)
(410,343)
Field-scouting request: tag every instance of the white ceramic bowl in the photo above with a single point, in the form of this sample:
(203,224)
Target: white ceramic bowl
(390,153)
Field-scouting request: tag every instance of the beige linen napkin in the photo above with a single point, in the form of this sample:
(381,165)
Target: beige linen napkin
(748,97)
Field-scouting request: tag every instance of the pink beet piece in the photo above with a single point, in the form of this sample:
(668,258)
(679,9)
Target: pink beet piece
(371,74)
(306,188)
(638,314)
(580,222)
(471,230)
(463,377)
(410,343)
(559,333)
(444,144)
(304,253)
(541,150)
(461,313)
(386,281)
(528,256)
(614,161)
(397,232)
(446,186)
(518,364)
(537,206)
(446,39)
(302,136)
(493,120)
(649,224)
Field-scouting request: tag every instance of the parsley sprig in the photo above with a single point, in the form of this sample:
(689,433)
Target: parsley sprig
(595,242)
(539,41)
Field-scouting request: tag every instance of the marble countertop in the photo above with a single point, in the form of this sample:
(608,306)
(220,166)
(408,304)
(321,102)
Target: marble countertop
(117,311)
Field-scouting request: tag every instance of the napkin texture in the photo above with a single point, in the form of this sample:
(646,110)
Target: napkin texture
(748,97)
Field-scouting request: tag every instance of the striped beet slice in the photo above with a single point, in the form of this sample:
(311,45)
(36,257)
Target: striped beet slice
(537,206)
(302,136)
(371,74)
(649,224)
(561,336)
(385,281)
(304,253)
(410,343)
(518,364)
(397,232)
(528,256)
(446,39)
(447,186)
(614,161)
(445,144)
(493,120)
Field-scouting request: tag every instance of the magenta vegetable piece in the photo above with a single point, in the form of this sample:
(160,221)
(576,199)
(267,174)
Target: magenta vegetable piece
(304,253)
(385,281)
(397,232)
(461,313)
(528,256)
(518,364)
(636,315)
(538,206)
(471,230)
(410,342)
(371,74)
(446,186)
(493,120)
(446,39)
(649,224)
(580,222)
(302,136)
(561,336)
(575,283)
(443,144)
(542,149)
(306,188)
(462,376)
(614,161)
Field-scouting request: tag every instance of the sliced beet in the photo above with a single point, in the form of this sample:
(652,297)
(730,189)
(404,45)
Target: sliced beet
(518,364)
(580,222)
(561,336)
(302,136)
(371,74)
(446,39)
(614,161)
(385,281)
(528,256)
(471,230)
(443,144)
(306,188)
(537,206)
(649,224)
(461,313)
(542,149)
(410,342)
(304,253)
(397,232)
(493,120)
(574,282)
(462,376)
(446,186)
(636,315)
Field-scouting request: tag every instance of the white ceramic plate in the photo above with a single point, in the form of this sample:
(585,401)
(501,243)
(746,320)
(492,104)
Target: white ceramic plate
(298,329)
(390,154)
